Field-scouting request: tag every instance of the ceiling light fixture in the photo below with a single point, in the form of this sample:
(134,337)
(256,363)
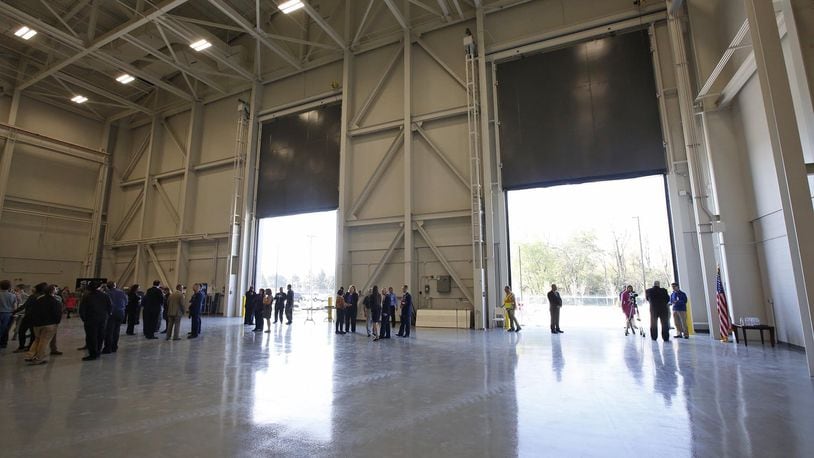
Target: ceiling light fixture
(25,33)
(79,99)
(200,45)
(125,78)
(290,6)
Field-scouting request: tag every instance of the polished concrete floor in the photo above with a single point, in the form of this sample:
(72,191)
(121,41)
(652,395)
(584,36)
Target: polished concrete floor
(304,391)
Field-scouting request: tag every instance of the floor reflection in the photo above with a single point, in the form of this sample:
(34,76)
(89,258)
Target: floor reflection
(295,391)
(302,390)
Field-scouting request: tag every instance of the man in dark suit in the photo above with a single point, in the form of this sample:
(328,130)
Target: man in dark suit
(94,309)
(151,305)
(289,305)
(659,311)
(118,299)
(406,313)
(195,308)
(554,306)
(248,317)
(279,305)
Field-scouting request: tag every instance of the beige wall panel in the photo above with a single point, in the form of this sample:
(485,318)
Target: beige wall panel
(368,68)
(123,156)
(158,220)
(219,129)
(435,187)
(298,87)
(433,88)
(46,176)
(804,15)
(118,209)
(5,105)
(210,212)
(37,249)
(170,157)
(538,17)
(62,125)
(387,197)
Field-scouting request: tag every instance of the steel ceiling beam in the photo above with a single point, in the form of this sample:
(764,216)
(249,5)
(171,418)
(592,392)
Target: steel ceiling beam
(444,9)
(99,91)
(76,43)
(259,35)
(324,24)
(173,62)
(214,52)
(107,38)
(397,14)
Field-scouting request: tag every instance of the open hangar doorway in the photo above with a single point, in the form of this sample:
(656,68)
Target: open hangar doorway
(574,122)
(297,202)
(591,240)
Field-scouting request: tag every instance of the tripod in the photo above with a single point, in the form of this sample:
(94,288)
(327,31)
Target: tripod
(630,326)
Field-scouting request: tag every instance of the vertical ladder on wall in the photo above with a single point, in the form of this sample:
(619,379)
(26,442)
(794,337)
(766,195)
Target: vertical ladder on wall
(475,178)
(236,209)
(239,169)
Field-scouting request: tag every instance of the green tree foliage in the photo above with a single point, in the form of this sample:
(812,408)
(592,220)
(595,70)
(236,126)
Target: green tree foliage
(583,265)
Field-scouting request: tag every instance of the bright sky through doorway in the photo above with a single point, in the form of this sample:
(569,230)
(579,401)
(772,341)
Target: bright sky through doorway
(295,244)
(555,213)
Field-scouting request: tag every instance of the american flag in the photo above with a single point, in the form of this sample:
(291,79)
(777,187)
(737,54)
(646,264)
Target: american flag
(723,308)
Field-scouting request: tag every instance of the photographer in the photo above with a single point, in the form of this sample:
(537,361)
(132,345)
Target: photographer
(628,299)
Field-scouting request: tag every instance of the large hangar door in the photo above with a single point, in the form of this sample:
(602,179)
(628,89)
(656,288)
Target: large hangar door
(584,113)
(299,163)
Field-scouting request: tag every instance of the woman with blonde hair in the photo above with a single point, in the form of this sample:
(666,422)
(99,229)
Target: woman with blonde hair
(510,304)
(268,299)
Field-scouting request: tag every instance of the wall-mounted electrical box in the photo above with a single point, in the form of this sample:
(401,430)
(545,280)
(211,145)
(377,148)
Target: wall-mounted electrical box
(443,284)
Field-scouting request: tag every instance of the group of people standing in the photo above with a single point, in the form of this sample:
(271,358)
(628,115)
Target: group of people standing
(379,310)
(660,302)
(103,309)
(159,303)
(264,304)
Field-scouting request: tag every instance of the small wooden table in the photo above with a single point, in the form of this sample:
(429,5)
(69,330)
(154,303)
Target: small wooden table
(760,327)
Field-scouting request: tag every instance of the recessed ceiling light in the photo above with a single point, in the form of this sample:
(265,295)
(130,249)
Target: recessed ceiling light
(290,6)
(25,32)
(79,99)
(125,78)
(200,45)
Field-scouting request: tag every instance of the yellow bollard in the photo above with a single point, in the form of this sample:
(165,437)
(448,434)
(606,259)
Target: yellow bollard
(330,309)
(243,306)
(690,328)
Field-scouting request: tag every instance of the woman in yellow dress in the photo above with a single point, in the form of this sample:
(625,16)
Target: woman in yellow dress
(510,304)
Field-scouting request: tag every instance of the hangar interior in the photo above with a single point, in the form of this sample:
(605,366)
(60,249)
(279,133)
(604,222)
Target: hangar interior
(167,161)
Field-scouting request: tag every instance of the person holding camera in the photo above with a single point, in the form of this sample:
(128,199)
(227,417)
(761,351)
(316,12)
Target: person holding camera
(659,311)
(628,299)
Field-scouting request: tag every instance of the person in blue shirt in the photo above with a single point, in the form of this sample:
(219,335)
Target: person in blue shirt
(406,313)
(393,302)
(114,322)
(678,299)
(195,309)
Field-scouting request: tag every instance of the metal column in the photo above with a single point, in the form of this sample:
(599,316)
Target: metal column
(344,159)
(233,261)
(8,150)
(473,115)
(92,267)
(696,154)
(788,159)
(408,153)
